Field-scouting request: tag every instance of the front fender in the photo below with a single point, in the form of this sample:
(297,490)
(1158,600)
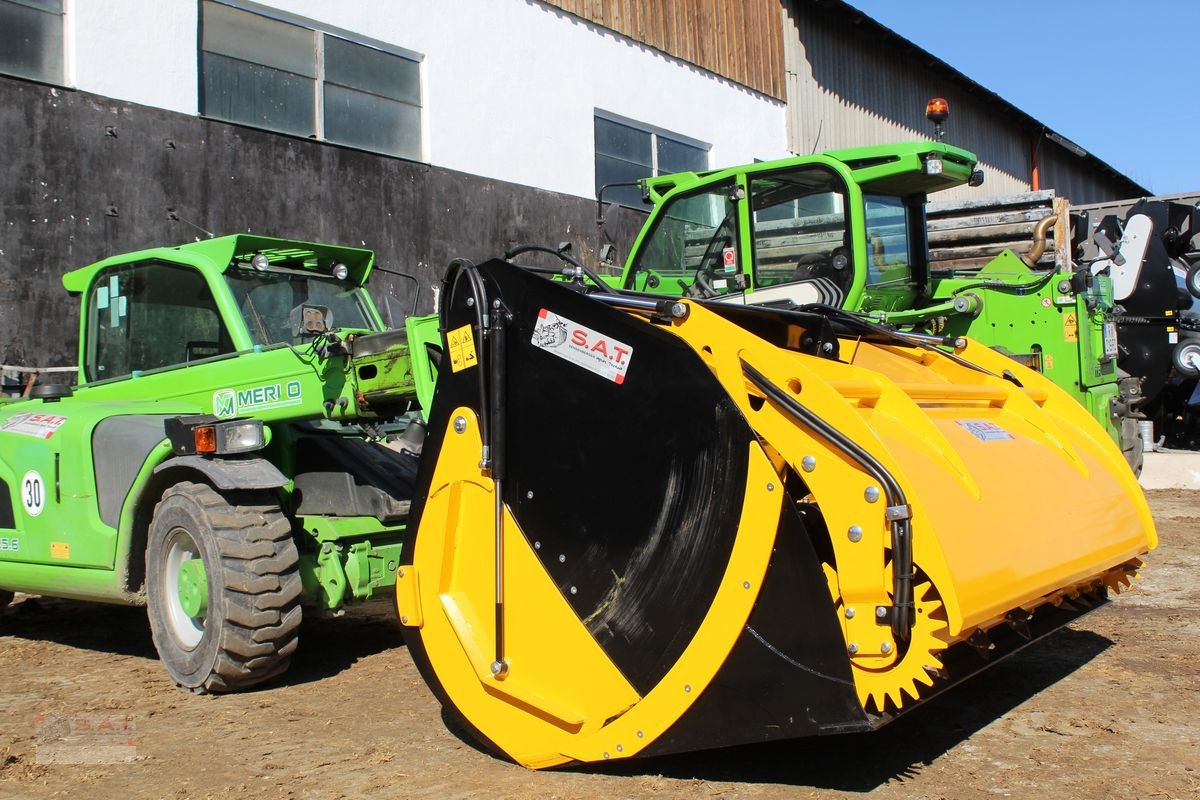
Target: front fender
(229,474)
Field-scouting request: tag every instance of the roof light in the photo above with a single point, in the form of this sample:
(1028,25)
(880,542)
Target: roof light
(340,271)
(937,110)
(260,262)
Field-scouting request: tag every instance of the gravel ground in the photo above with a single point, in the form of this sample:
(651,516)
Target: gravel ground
(1106,708)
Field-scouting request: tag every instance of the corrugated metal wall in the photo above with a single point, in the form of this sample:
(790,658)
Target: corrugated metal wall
(1059,170)
(845,90)
(852,82)
(737,39)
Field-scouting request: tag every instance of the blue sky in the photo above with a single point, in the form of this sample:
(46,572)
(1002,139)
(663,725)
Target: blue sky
(1118,79)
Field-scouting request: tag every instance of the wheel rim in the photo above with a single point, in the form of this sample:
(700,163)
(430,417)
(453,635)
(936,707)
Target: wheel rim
(1193,281)
(181,549)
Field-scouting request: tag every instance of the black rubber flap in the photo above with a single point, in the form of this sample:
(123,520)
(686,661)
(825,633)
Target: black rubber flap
(626,462)
(788,675)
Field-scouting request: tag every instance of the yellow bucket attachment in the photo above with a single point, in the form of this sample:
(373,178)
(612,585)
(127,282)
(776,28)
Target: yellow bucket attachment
(654,527)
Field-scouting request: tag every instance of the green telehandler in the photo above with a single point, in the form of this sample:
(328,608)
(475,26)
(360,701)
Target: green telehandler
(219,460)
(847,229)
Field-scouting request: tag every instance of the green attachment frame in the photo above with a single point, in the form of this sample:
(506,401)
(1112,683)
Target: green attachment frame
(356,558)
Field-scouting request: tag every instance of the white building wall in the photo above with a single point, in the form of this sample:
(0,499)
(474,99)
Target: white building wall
(510,86)
(142,51)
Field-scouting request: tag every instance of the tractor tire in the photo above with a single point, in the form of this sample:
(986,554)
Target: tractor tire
(239,622)
(1192,280)
(6,597)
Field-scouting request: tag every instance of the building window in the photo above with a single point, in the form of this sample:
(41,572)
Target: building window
(31,39)
(625,152)
(268,73)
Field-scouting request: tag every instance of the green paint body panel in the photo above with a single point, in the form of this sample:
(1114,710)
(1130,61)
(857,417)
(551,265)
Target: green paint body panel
(1060,333)
(79,471)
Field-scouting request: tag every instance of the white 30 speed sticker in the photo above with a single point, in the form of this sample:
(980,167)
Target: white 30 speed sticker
(582,346)
(33,493)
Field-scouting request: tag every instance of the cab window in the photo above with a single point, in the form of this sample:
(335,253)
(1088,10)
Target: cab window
(694,241)
(800,228)
(888,262)
(271,303)
(149,316)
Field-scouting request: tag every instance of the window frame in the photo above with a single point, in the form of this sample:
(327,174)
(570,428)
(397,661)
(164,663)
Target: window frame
(89,326)
(63,77)
(842,189)
(320,31)
(661,216)
(655,134)
(874,280)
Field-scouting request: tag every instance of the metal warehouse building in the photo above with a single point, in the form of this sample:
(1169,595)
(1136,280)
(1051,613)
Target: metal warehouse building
(433,130)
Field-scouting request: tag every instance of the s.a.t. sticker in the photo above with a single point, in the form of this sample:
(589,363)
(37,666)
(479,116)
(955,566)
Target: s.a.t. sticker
(985,431)
(582,346)
(39,426)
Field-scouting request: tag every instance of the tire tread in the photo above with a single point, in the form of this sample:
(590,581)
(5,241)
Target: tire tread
(261,586)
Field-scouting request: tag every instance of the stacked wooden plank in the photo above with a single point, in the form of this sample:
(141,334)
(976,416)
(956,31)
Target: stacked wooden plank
(964,235)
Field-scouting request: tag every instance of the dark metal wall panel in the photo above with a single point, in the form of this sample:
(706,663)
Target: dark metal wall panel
(737,39)
(1061,171)
(83,177)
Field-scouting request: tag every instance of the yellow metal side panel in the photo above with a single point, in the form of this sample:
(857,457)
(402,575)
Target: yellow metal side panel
(559,681)
(560,688)
(996,524)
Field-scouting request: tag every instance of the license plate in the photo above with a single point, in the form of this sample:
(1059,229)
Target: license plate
(1110,339)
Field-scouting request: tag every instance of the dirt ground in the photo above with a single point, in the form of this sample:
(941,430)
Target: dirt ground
(1107,708)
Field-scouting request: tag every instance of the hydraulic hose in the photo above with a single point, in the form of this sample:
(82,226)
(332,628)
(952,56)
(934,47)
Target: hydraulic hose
(491,326)
(898,512)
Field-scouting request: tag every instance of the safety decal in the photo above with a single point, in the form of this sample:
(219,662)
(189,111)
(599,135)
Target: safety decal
(729,259)
(39,426)
(1070,327)
(231,402)
(461,343)
(582,346)
(985,431)
(33,493)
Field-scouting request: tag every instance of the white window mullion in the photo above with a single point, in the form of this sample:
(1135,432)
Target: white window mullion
(319,88)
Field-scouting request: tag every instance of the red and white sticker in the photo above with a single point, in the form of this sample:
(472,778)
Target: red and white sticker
(729,259)
(582,346)
(40,426)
